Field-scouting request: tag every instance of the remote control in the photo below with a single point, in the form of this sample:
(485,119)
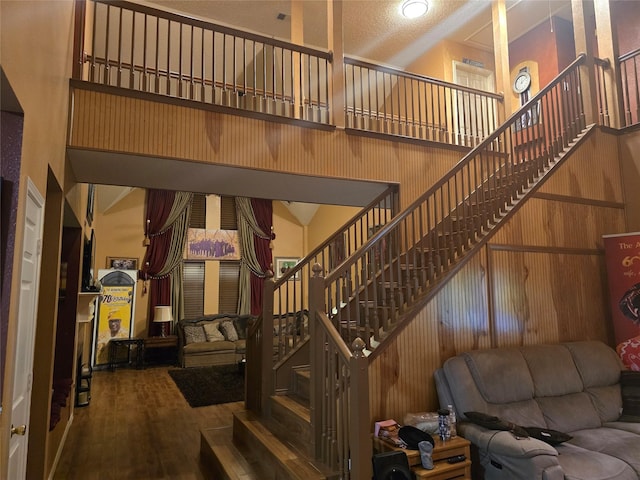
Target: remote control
(456,459)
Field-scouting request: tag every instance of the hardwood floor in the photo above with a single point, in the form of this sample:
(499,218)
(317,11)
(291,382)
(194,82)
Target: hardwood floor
(138,426)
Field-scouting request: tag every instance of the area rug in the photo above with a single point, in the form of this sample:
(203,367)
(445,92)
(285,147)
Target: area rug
(202,386)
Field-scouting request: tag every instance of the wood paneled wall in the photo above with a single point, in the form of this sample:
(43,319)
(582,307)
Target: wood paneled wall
(109,122)
(540,279)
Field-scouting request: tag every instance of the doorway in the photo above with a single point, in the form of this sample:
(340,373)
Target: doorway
(473,124)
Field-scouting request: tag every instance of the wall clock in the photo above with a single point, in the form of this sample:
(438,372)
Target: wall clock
(522,82)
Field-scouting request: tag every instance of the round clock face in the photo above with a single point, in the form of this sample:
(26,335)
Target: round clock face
(522,82)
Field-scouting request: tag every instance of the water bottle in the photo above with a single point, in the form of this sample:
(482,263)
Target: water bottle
(452,421)
(444,429)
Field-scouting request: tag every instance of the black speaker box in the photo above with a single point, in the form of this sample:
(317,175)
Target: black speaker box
(391,466)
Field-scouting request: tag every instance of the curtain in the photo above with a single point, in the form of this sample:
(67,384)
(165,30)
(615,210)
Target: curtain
(255,247)
(165,236)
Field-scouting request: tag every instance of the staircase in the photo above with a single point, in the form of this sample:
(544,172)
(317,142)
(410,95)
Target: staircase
(279,447)
(315,426)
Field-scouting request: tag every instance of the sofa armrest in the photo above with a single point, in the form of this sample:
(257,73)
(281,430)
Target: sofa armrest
(503,456)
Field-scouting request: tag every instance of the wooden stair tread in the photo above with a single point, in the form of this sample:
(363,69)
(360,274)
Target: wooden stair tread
(285,458)
(293,405)
(219,451)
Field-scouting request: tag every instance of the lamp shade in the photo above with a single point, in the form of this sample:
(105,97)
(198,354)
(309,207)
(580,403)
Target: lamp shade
(162,313)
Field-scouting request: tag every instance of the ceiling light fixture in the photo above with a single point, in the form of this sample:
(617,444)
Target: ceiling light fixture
(414,8)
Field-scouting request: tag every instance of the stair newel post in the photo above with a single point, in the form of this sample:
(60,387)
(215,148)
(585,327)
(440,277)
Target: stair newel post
(266,344)
(316,304)
(361,449)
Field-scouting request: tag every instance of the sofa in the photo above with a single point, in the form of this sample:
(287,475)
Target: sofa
(212,339)
(220,339)
(569,390)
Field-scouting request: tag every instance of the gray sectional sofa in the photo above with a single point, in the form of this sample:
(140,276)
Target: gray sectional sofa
(571,388)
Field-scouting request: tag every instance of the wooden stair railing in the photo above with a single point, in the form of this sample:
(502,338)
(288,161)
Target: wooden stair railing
(409,257)
(390,277)
(286,300)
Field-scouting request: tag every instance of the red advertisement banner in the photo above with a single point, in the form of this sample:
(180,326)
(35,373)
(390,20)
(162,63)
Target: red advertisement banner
(622,253)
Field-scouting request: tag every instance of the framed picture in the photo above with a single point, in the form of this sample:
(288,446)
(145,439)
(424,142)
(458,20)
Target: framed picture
(122,263)
(282,264)
(203,244)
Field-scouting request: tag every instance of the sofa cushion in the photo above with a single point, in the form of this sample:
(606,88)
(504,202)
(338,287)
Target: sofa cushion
(501,375)
(597,364)
(229,331)
(570,412)
(552,370)
(211,330)
(194,334)
(241,324)
(579,463)
(615,443)
(202,347)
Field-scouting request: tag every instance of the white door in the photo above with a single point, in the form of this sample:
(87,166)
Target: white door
(25,337)
(473,111)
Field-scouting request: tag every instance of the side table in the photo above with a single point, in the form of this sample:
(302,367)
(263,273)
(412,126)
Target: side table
(115,343)
(170,342)
(442,470)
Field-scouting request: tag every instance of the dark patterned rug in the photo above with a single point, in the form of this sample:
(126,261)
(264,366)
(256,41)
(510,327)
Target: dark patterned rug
(202,386)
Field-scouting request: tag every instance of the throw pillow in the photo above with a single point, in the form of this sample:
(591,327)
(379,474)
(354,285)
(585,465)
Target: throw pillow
(630,386)
(194,334)
(212,332)
(552,437)
(229,331)
(241,325)
(494,423)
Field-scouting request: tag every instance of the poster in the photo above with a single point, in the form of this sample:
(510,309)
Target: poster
(622,253)
(116,307)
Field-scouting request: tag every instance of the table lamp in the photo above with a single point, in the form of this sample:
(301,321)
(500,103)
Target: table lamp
(162,315)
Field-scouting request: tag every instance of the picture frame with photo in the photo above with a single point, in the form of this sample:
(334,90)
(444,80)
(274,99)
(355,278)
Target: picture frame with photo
(282,264)
(122,263)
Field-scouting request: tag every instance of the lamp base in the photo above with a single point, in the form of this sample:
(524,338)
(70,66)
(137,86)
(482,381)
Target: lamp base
(162,329)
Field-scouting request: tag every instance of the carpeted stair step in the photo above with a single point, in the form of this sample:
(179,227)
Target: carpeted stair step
(250,434)
(224,461)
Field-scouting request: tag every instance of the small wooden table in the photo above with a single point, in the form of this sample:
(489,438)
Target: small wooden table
(170,342)
(115,343)
(442,470)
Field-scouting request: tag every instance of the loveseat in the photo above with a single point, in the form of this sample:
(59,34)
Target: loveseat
(570,388)
(212,339)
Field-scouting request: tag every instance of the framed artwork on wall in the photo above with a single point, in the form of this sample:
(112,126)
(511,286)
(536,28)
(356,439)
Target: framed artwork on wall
(282,264)
(122,263)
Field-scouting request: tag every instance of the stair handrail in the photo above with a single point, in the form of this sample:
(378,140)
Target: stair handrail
(354,275)
(291,288)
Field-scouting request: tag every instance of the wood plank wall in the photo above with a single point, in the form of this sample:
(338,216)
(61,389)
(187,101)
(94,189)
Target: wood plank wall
(540,279)
(108,122)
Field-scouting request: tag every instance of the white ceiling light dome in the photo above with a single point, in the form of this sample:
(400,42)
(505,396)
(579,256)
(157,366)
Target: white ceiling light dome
(414,8)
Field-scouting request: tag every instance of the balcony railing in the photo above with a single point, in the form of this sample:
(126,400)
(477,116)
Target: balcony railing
(148,50)
(629,66)
(139,48)
(385,100)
